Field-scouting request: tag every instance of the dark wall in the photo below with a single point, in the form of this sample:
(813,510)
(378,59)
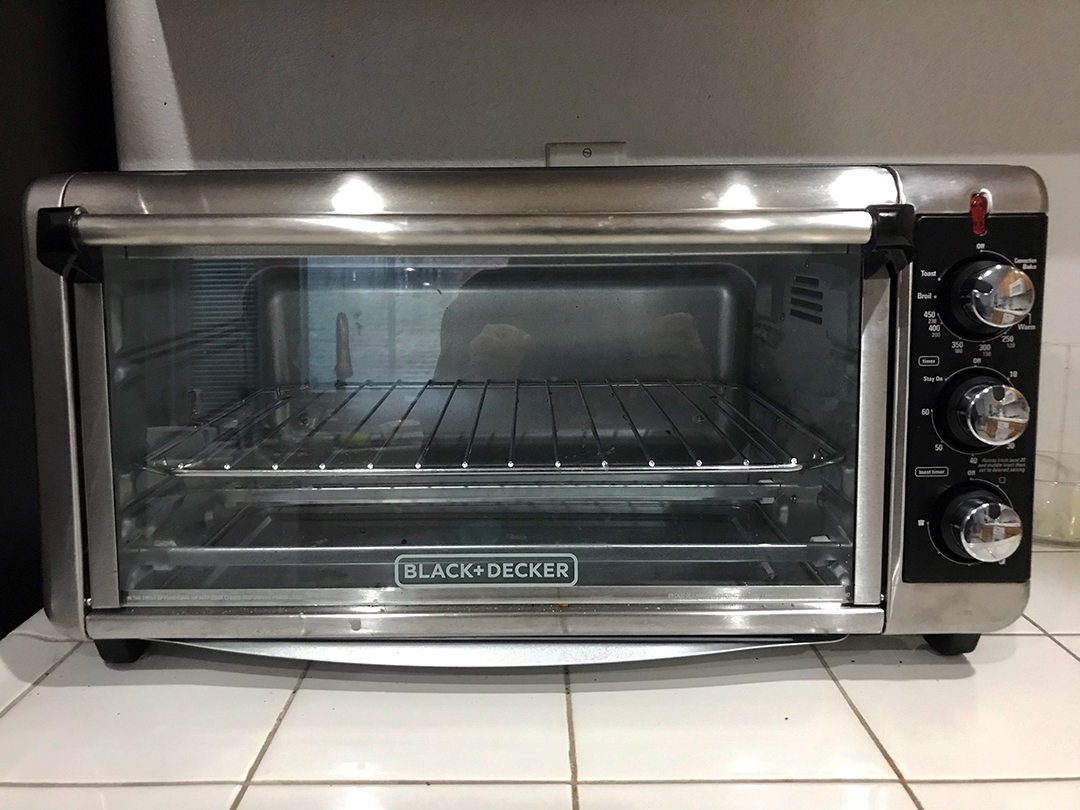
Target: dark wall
(56,110)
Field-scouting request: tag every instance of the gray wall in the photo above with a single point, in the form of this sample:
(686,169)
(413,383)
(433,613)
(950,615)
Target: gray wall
(343,82)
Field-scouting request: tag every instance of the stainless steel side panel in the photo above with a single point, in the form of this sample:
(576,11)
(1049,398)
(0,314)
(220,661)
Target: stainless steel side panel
(944,607)
(947,189)
(932,607)
(532,622)
(57,435)
(873,429)
(100,528)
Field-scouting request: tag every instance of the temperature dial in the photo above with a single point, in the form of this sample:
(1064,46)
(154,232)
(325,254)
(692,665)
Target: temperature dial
(977,525)
(985,297)
(980,411)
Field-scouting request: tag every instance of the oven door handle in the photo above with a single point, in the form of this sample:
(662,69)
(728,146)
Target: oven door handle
(426,231)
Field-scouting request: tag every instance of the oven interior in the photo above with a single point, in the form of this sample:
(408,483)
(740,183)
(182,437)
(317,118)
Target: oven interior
(284,429)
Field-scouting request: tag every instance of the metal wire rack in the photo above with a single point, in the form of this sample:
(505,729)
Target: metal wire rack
(515,427)
(318,548)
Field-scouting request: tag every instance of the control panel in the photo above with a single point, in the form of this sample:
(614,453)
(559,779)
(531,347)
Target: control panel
(973,385)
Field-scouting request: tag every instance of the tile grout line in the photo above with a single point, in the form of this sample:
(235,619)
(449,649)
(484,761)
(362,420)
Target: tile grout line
(866,726)
(1052,637)
(16,633)
(810,780)
(827,781)
(523,782)
(1000,780)
(294,783)
(269,738)
(40,678)
(183,783)
(572,741)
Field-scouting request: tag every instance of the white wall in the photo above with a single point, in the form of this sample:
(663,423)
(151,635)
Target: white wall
(344,83)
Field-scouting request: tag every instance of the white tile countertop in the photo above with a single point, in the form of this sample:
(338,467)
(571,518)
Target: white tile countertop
(867,724)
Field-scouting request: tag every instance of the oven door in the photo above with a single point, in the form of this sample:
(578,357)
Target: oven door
(469,427)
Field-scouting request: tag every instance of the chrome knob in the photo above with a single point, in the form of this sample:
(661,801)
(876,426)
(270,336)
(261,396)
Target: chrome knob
(1000,295)
(995,413)
(983,297)
(983,528)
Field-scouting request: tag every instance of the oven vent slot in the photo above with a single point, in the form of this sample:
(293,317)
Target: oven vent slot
(217,289)
(806,299)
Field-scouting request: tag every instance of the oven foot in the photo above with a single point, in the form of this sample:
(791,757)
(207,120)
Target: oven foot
(952,643)
(121,650)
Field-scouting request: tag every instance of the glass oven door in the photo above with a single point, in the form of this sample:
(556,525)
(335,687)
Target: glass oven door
(490,429)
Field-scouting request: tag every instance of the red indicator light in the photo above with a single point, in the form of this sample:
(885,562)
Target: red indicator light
(978,213)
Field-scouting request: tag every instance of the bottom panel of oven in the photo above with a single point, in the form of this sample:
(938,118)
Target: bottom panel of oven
(583,623)
(349,555)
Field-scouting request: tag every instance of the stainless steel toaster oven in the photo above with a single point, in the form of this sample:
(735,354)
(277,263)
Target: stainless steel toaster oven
(513,416)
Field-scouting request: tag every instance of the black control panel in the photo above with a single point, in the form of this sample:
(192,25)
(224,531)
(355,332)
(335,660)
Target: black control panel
(974,380)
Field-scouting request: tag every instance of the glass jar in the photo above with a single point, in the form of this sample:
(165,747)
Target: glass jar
(1057,499)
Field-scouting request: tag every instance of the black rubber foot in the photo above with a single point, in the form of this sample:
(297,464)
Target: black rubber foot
(121,650)
(952,643)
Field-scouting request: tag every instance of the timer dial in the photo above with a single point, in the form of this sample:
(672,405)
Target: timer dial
(987,296)
(995,414)
(977,525)
(979,411)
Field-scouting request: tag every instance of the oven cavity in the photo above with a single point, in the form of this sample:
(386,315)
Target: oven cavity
(638,416)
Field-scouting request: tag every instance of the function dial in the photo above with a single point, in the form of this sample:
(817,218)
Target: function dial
(987,296)
(978,525)
(979,411)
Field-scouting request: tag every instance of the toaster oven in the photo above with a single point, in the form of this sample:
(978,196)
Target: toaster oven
(536,416)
